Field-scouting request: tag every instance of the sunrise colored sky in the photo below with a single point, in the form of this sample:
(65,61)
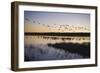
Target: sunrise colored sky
(39,21)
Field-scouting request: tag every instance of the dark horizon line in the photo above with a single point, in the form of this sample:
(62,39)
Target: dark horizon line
(58,33)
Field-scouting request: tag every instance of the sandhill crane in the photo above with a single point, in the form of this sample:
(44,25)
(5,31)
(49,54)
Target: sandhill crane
(27,19)
(33,21)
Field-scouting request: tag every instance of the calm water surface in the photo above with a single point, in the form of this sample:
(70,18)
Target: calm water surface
(55,39)
(39,48)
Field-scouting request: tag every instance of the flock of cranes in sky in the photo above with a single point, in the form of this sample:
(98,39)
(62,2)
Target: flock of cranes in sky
(62,27)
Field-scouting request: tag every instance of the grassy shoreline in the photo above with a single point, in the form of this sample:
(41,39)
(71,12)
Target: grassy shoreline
(82,49)
(57,34)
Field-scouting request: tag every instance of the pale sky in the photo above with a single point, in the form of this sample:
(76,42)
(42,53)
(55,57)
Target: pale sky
(39,21)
